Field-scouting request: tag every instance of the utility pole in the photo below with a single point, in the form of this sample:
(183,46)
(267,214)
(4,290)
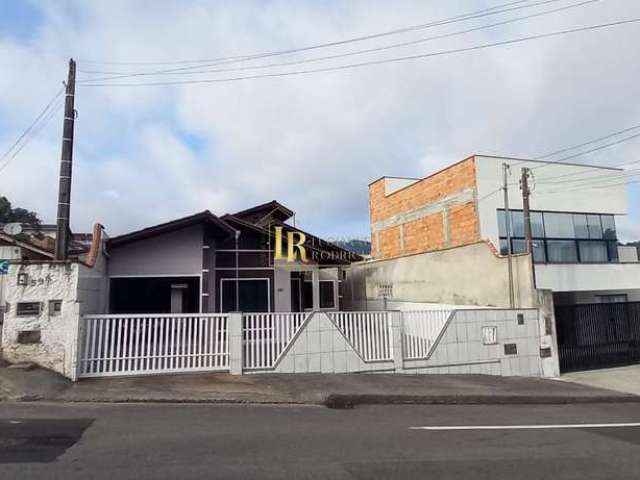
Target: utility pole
(506,170)
(524,185)
(64,187)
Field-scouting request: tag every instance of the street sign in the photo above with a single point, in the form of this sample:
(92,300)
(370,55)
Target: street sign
(4,267)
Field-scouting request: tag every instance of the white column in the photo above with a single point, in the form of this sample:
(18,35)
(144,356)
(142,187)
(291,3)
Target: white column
(396,340)
(235,343)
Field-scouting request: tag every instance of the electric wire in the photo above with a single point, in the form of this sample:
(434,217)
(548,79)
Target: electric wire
(445,21)
(372,62)
(191,71)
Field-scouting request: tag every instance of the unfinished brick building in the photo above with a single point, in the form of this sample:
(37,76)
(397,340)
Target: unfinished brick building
(410,215)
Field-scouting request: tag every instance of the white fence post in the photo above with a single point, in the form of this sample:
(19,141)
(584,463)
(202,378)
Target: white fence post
(235,343)
(396,340)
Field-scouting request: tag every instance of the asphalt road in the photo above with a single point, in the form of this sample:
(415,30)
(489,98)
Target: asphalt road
(119,442)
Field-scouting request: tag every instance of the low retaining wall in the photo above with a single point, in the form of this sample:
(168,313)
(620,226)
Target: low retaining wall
(486,341)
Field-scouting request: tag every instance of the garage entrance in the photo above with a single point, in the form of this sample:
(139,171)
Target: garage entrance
(154,295)
(598,335)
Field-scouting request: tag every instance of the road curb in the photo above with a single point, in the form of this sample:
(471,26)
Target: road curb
(340,401)
(347,401)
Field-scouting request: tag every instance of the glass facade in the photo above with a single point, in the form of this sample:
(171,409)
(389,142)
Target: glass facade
(562,237)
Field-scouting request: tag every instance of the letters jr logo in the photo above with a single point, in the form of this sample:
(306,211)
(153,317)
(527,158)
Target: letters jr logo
(295,248)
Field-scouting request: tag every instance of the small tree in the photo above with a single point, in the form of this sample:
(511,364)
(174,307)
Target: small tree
(9,214)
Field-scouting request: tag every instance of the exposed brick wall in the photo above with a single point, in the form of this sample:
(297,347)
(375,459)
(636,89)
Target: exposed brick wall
(388,242)
(451,225)
(463,224)
(425,231)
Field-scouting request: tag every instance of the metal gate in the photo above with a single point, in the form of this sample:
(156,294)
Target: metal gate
(598,335)
(143,344)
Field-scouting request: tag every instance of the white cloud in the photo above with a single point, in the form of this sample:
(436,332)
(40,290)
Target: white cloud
(314,142)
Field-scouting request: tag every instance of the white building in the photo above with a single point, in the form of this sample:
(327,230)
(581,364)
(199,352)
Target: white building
(444,239)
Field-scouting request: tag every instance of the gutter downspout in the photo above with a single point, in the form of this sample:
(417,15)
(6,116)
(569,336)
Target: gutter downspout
(96,242)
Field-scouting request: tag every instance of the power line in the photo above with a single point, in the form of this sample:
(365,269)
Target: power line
(372,62)
(606,137)
(33,133)
(590,187)
(580,182)
(185,71)
(445,21)
(607,145)
(30,127)
(587,170)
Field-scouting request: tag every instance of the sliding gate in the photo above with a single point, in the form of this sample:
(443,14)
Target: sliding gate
(113,345)
(598,335)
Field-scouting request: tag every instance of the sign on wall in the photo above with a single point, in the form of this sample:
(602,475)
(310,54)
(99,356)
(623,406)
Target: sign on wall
(489,335)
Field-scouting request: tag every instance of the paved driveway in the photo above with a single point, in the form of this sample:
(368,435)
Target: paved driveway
(621,379)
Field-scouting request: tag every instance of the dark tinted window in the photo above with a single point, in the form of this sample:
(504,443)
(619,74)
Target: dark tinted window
(580,225)
(558,225)
(595,228)
(593,251)
(608,227)
(254,295)
(562,251)
(307,295)
(327,299)
(517,224)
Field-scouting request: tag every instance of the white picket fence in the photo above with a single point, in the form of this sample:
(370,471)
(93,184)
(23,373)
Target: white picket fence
(265,336)
(420,330)
(142,344)
(368,332)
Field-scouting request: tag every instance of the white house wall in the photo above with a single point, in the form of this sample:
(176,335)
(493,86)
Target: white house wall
(587,277)
(171,254)
(58,333)
(610,200)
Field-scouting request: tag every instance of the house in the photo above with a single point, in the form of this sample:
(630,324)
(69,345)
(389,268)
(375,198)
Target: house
(242,292)
(444,239)
(206,263)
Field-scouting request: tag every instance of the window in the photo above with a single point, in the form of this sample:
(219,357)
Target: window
(28,309)
(517,224)
(593,252)
(608,227)
(621,298)
(559,225)
(595,228)
(580,225)
(253,295)
(562,251)
(562,237)
(55,308)
(307,295)
(327,294)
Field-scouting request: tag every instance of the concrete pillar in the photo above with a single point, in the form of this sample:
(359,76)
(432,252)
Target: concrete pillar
(550,365)
(235,343)
(396,339)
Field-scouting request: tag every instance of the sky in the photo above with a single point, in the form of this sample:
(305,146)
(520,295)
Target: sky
(148,154)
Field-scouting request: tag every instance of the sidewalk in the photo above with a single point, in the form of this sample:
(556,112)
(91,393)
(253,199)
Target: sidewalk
(336,390)
(621,379)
